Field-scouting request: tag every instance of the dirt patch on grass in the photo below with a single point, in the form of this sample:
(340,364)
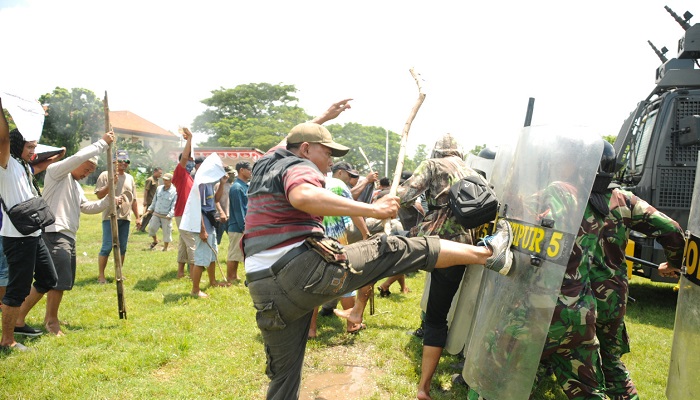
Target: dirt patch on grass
(339,373)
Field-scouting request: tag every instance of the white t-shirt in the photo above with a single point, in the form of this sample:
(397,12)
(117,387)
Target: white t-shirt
(14,189)
(264,259)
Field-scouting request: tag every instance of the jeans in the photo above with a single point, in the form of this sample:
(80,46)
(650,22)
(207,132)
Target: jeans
(123,232)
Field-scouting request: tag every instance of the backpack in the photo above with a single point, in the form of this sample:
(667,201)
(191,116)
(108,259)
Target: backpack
(472,201)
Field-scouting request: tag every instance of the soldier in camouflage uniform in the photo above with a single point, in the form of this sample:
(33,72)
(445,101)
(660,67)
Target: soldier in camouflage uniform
(609,279)
(434,177)
(572,348)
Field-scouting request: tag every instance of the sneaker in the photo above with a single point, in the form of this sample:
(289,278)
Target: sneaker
(15,347)
(500,242)
(27,330)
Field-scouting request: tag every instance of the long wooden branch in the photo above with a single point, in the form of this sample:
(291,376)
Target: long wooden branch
(116,251)
(404,139)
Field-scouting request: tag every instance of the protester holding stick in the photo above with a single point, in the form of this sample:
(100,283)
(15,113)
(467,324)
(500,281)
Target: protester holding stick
(66,198)
(287,280)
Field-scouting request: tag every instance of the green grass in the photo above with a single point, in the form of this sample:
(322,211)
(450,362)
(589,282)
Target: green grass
(173,346)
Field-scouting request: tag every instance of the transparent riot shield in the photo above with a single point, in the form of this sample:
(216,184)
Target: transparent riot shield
(683,382)
(463,308)
(543,183)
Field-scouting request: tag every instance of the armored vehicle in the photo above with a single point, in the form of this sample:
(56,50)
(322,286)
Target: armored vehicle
(658,143)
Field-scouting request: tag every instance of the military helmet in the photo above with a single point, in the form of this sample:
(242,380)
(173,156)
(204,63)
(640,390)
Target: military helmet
(488,153)
(608,161)
(606,170)
(447,146)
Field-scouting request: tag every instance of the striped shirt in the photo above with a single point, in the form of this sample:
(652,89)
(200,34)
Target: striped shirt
(271,221)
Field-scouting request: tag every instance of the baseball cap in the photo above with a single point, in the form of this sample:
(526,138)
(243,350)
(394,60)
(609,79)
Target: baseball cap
(314,133)
(168,177)
(122,156)
(346,166)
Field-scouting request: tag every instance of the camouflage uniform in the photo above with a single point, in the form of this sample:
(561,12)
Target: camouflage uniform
(571,348)
(609,279)
(434,177)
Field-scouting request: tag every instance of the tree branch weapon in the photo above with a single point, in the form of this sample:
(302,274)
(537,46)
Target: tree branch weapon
(116,252)
(404,139)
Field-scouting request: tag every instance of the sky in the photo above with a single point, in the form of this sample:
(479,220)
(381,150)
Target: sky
(584,63)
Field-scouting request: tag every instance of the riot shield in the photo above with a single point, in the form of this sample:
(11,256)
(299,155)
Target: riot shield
(463,308)
(683,372)
(543,183)
(480,164)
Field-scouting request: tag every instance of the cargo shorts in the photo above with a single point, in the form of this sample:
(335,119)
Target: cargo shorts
(308,281)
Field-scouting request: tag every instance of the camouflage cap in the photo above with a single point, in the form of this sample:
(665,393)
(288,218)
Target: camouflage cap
(447,146)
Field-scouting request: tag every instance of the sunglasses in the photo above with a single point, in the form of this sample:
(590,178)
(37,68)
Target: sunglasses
(124,161)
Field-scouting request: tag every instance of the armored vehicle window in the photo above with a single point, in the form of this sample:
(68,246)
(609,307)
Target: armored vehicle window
(642,139)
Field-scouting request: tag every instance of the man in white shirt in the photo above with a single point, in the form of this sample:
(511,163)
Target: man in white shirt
(65,197)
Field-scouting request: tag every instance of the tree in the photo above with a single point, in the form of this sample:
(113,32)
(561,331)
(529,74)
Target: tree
(72,116)
(251,115)
(610,138)
(477,149)
(421,155)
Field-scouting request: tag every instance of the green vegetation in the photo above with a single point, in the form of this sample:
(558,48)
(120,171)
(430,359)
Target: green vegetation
(173,346)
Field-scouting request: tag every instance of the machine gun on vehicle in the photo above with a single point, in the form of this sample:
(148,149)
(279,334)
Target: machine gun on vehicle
(658,143)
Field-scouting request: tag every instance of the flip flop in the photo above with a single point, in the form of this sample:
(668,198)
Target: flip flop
(357,330)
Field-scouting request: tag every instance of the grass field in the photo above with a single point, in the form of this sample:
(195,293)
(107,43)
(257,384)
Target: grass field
(173,346)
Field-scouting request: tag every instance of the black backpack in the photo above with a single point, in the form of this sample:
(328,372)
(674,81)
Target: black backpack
(473,202)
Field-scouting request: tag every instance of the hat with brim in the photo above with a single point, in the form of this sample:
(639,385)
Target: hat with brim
(314,133)
(168,177)
(347,167)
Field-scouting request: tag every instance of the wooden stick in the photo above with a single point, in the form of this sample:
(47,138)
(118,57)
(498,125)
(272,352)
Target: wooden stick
(116,251)
(369,165)
(402,149)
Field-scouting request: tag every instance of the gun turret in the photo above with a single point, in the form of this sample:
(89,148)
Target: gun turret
(682,22)
(689,44)
(659,53)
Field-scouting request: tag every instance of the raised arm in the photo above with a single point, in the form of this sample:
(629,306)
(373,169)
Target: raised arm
(333,111)
(4,139)
(188,147)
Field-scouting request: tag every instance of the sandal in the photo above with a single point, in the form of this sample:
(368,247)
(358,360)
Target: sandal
(383,292)
(357,330)
(154,244)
